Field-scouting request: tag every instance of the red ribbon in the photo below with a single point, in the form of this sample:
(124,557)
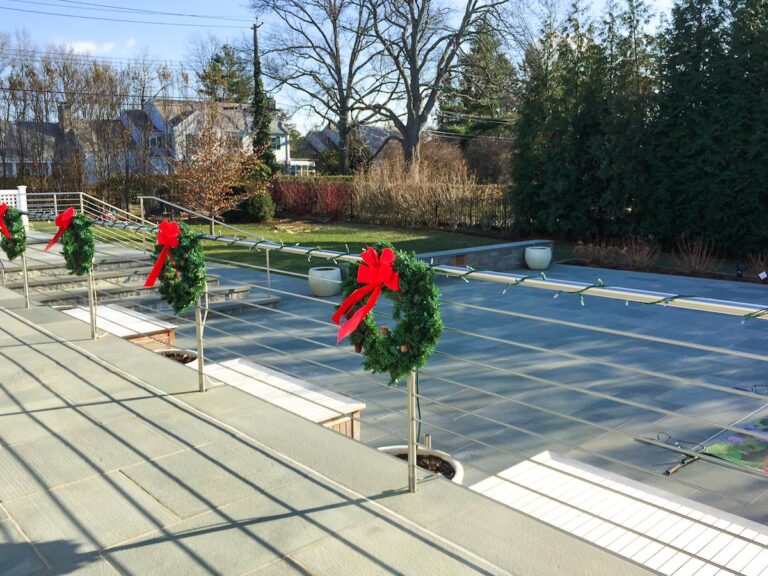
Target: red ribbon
(167,237)
(63,221)
(375,272)
(3,227)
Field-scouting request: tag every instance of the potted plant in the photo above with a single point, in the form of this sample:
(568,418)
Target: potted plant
(325,281)
(538,257)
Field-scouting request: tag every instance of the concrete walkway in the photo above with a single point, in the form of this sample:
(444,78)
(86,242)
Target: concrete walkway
(111,463)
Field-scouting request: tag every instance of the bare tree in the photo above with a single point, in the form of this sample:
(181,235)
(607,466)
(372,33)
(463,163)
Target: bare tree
(323,51)
(420,40)
(212,166)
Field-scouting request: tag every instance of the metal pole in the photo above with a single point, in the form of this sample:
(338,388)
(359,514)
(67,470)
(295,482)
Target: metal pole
(412,423)
(26,279)
(143,232)
(269,275)
(92,302)
(200,351)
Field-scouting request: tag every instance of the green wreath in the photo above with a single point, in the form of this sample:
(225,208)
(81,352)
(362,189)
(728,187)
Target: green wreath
(17,243)
(183,277)
(415,309)
(77,245)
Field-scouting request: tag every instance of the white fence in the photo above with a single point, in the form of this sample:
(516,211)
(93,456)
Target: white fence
(18,199)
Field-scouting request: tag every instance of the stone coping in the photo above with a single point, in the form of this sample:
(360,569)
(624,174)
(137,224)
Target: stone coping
(487,248)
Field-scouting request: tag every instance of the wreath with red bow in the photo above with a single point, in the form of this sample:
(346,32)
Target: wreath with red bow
(180,266)
(410,285)
(14,237)
(77,244)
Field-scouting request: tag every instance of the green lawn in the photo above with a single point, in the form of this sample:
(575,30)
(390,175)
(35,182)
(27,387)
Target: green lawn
(335,237)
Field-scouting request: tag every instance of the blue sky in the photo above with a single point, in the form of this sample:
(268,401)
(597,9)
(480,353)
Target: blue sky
(127,40)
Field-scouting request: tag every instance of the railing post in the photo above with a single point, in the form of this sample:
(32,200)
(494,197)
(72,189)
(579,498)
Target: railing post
(412,424)
(199,336)
(21,204)
(82,203)
(26,279)
(92,302)
(143,232)
(55,203)
(269,275)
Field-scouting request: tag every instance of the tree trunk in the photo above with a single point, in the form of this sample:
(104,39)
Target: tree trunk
(412,147)
(343,144)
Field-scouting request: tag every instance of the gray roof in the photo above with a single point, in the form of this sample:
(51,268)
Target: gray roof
(38,139)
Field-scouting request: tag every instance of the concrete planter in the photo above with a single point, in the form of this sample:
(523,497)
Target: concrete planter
(179,355)
(325,281)
(538,257)
(402,450)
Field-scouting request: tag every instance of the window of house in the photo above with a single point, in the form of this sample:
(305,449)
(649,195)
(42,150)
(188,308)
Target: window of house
(276,143)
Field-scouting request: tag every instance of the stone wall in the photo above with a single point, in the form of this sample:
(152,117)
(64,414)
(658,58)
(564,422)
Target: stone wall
(497,257)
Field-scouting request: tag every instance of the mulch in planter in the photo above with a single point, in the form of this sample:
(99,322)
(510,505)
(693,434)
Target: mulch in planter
(434,464)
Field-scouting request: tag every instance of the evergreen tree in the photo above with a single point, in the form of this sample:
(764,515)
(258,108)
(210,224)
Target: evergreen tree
(629,84)
(482,90)
(738,216)
(225,77)
(688,134)
(262,136)
(531,152)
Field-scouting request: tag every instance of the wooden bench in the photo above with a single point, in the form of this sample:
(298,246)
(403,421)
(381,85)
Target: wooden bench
(662,531)
(329,409)
(133,326)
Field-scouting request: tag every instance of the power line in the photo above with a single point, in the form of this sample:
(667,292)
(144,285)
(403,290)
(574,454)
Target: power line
(113,8)
(102,18)
(443,134)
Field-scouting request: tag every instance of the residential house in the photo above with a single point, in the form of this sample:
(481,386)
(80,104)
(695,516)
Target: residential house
(165,129)
(373,136)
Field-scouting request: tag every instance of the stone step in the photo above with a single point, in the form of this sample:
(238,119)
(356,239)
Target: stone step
(111,293)
(13,271)
(103,278)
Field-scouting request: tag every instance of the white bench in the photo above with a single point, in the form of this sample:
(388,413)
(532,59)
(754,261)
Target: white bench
(332,410)
(664,532)
(133,326)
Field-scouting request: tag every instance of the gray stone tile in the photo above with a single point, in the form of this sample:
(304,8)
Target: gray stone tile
(17,557)
(212,475)
(376,549)
(86,516)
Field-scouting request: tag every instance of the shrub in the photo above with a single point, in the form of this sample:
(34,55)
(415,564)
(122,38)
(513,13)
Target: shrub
(259,208)
(757,263)
(598,254)
(695,256)
(639,254)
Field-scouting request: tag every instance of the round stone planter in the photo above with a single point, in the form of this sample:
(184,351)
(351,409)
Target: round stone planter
(325,281)
(538,257)
(179,355)
(401,451)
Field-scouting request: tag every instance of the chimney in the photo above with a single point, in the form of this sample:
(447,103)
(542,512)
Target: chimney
(65,117)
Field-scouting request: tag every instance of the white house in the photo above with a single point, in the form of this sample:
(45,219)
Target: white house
(164,128)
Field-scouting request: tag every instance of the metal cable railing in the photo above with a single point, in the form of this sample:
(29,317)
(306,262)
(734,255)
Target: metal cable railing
(221,325)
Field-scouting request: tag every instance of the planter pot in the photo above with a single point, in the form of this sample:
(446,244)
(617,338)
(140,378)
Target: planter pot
(179,355)
(325,281)
(538,257)
(401,451)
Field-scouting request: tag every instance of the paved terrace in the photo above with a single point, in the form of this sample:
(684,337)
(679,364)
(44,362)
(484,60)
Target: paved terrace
(111,464)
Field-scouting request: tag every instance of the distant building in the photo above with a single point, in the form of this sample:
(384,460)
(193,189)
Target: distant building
(373,136)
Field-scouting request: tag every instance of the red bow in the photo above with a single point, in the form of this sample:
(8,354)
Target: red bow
(63,221)
(167,237)
(3,227)
(375,271)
